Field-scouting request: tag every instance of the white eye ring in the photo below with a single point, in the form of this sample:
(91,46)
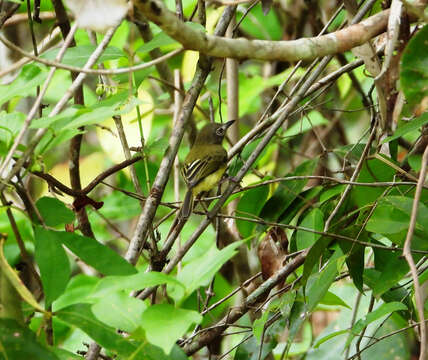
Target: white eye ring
(219,132)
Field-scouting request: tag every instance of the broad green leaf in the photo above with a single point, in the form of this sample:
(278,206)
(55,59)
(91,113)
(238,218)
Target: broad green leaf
(158,40)
(328,337)
(17,342)
(354,253)
(262,26)
(77,116)
(120,311)
(386,219)
(56,122)
(332,192)
(286,192)
(412,125)
(25,84)
(384,309)
(392,266)
(313,257)
(392,215)
(52,140)
(259,324)
(298,315)
(393,346)
(319,283)
(415,161)
(80,315)
(311,120)
(405,204)
(250,205)
(10,124)
(16,282)
(79,55)
(314,221)
(373,170)
(54,212)
(53,263)
(200,271)
(414,68)
(138,281)
(10,301)
(65,355)
(97,255)
(249,350)
(164,324)
(332,299)
(77,291)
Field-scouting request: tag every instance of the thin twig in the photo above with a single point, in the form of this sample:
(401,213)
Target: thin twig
(409,258)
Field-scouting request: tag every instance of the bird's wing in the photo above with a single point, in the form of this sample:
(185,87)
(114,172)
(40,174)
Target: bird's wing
(195,171)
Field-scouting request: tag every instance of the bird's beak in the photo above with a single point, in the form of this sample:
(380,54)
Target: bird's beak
(225,126)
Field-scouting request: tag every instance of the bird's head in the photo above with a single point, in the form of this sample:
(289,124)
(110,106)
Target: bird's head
(212,133)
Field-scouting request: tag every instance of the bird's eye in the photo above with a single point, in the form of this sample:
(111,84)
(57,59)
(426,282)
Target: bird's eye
(219,132)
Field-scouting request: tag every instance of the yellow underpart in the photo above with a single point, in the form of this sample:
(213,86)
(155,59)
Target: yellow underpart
(209,182)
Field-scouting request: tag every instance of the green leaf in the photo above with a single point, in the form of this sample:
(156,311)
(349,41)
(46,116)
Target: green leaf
(77,116)
(373,170)
(386,219)
(31,76)
(17,342)
(319,283)
(65,355)
(262,26)
(16,282)
(158,40)
(405,204)
(259,324)
(79,55)
(313,257)
(77,291)
(120,311)
(354,253)
(414,67)
(249,350)
(164,324)
(53,263)
(138,281)
(286,192)
(97,255)
(384,309)
(200,271)
(392,266)
(412,125)
(250,204)
(332,192)
(80,315)
(315,221)
(328,337)
(332,299)
(10,124)
(54,212)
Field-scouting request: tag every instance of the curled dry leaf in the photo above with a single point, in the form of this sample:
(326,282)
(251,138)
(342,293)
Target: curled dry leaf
(272,251)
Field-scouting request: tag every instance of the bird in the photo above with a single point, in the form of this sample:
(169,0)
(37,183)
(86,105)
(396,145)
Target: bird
(205,163)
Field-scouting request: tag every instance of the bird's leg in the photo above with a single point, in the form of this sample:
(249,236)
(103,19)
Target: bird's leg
(202,202)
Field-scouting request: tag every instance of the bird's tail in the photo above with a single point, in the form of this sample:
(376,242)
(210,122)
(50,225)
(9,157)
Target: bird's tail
(187,207)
